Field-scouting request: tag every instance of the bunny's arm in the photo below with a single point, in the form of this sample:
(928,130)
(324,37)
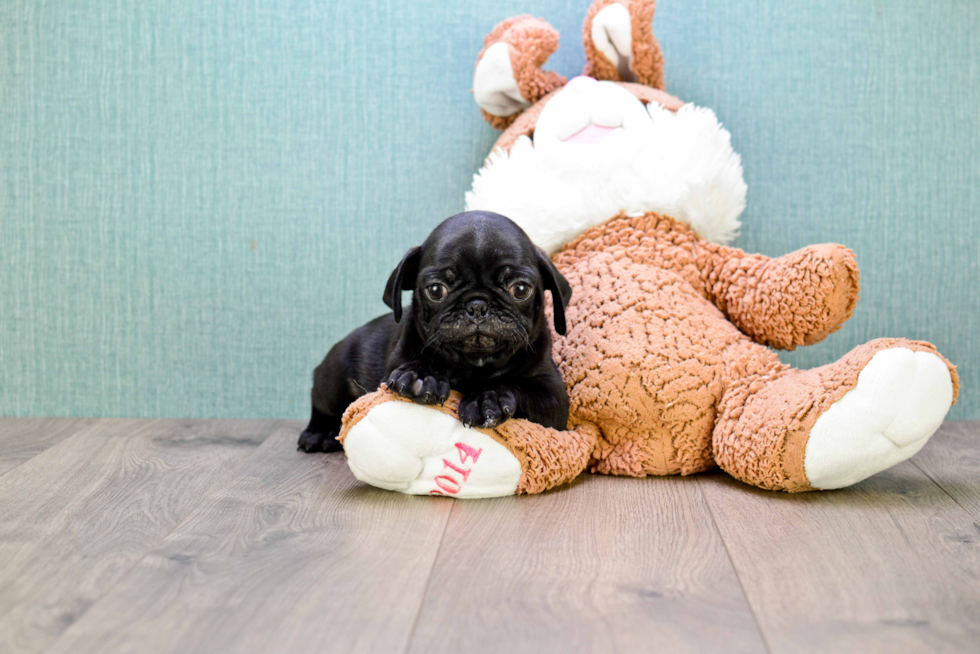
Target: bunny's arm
(797,299)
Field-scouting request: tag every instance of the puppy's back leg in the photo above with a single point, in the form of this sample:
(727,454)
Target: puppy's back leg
(321,434)
(330,398)
(352,368)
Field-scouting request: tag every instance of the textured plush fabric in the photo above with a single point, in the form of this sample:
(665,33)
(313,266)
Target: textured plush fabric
(765,416)
(681,164)
(667,354)
(197,199)
(548,457)
(523,124)
(648,61)
(654,358)
(661,382)
(650,351)
(530,42)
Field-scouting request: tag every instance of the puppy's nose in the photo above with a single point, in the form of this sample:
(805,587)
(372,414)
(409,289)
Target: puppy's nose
(477,308)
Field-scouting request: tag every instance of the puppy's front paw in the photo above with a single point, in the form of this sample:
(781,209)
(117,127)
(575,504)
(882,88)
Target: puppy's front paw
(487,408)
(419,385)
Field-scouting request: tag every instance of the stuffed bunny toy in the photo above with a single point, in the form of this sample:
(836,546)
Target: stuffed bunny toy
(667,355)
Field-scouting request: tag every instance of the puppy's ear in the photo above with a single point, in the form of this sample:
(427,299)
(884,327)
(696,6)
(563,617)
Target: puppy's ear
(561,290)
(402,277)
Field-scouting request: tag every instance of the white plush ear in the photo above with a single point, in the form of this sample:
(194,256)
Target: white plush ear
(494,85)
(508,77)
(612,34)
(620,45)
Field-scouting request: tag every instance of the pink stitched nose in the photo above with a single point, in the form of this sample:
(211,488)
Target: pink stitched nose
(590,134)
(579,83)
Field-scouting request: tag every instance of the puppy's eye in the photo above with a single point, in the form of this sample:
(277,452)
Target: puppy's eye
(520,292)
(436,292)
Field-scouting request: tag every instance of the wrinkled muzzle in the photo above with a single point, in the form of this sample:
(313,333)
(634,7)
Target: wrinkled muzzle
(479,338)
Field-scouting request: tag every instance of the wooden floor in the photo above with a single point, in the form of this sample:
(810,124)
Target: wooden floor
(217,536)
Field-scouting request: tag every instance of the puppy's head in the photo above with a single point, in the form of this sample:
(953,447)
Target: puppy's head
(479,287)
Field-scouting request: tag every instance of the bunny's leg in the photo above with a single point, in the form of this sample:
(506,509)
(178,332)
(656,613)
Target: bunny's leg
(833,426)
(426,450)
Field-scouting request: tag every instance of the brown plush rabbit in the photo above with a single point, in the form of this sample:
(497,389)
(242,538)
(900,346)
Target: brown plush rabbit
(666,357)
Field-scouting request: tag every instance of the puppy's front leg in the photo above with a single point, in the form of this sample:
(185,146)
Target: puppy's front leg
(543,402)
(419,383)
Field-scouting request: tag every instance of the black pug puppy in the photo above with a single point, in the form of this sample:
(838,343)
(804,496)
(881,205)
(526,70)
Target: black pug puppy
(476,324)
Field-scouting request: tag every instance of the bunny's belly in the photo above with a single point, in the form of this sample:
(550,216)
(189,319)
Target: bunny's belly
(646,359)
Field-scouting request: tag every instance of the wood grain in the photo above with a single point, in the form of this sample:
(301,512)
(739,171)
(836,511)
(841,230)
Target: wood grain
(891,564)
(951,458)
(75,518)
(21,439)
(294,556)
(190,536)
(608,564)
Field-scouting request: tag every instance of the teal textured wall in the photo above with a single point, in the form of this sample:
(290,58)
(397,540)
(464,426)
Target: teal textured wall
(198,198)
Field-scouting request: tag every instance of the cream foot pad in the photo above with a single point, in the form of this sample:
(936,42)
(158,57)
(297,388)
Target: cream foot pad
(420,451)
(900,400)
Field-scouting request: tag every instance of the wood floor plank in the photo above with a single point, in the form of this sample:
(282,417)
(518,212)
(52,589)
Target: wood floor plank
(75,518)
(608,564)
(294,556)
(951,458)
(21,439)
(889,565)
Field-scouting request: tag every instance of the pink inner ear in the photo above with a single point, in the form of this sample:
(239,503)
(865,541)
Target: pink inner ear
(590,134)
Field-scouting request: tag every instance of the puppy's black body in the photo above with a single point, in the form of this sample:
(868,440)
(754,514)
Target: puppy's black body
(476,324)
